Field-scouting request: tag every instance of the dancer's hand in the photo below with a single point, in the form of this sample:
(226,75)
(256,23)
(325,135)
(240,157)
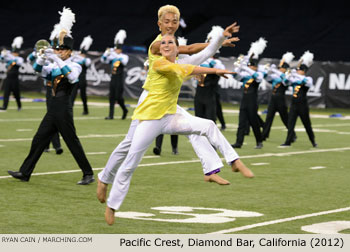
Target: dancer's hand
(229,42)
(222,72)
(234,28)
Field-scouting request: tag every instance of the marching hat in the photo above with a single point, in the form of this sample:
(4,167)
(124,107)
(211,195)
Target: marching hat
(305,61)
(119,39)
(256,48)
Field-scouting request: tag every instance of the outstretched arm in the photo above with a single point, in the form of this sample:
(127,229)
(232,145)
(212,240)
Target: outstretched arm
(207,70)
(197,47)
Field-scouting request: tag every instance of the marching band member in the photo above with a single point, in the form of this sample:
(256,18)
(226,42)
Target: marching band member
(277,101)
(299,106)
(85,63)
(63,74)
(251,78)
(13,63)
(118,60)
(205,97)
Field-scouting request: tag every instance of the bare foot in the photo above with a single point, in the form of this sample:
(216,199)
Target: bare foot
(216,178)
(101,191)
(238,166)
(109,215)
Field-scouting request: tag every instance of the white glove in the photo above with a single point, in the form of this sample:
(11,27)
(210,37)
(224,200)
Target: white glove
(8,56)
(107,52)
(248,69)
(273,66)
(40,60)
(50,55)
(245,59)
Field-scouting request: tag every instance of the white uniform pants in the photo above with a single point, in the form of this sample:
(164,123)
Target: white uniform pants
(147,131)
(209,158)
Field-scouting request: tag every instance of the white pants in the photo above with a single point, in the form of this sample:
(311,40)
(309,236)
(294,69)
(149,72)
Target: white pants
(209,158)
(147,131)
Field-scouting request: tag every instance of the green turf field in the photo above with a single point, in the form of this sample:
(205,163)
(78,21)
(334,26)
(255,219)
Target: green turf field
(294,187)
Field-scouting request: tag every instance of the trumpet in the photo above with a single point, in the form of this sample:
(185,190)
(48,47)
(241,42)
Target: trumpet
(108,50)
(4,52)
(239,60)
(40,47)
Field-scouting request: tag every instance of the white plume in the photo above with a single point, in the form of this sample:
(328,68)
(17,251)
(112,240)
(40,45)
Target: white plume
(182,40)
(216,31)
(87,41)
(307,58)
(56,30)
(120,37)
(288,57)
(257,48)
(67,19)
(17,42)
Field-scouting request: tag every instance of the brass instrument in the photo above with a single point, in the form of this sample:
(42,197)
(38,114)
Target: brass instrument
(4,52)
(239,60)
(40,47)
(108,50)
(267,67)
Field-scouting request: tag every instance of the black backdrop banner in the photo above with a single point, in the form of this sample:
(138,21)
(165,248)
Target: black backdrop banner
(331,87)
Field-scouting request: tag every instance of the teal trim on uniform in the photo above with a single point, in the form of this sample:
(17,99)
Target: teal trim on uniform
(205,65)
(65,70)
(55,72)
(31,57)
(255,75)
(37,67)
(212,63)
(276,81)
(9,63)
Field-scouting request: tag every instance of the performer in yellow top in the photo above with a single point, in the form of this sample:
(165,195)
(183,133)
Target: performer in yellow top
(168,78)
(163,95)
(168,22)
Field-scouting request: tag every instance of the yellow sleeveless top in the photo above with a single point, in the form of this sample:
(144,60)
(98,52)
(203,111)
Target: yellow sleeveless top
(151,58)
(167,78)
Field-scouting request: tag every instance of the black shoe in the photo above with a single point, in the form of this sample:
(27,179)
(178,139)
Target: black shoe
(2,108)
(156,151)
(87,179)
(223,127)
(108,118)
(59,151)
(175,151)
(294,139)
(19,109)
(236,145)
(85,113)
(125,112)
(259,145)
(314,145)
(18,175)
(285,145)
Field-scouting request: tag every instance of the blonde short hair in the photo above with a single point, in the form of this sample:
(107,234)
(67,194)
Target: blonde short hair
(168,9)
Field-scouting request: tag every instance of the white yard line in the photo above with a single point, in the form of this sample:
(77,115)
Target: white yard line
(40,119)
(197,160)
(87,136)
(266,223)
(95,153)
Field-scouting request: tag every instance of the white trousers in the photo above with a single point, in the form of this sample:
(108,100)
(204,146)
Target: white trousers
(147,131)
(209,158)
